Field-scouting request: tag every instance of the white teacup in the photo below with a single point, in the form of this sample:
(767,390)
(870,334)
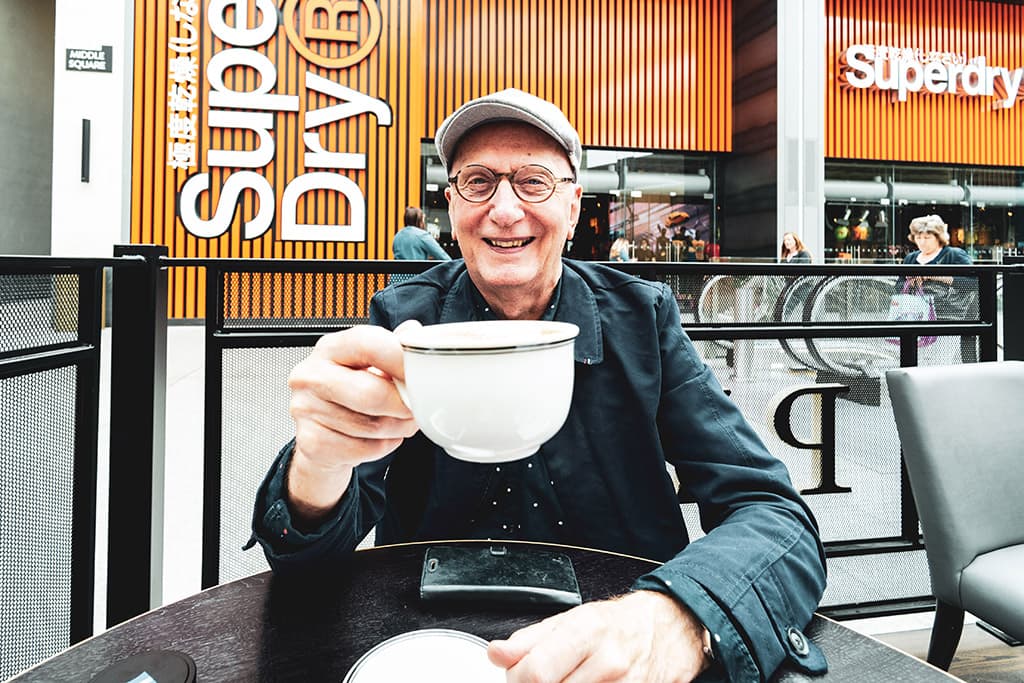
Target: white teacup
(489,391)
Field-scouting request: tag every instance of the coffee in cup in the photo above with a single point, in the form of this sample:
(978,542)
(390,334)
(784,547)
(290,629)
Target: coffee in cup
(489,391)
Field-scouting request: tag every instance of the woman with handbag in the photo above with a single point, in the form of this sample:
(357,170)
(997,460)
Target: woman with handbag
(956,298)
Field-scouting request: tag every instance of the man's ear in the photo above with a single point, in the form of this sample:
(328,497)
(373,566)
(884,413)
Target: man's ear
(574,211)
(448,198)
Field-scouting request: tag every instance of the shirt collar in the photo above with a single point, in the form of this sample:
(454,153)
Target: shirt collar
(572,302)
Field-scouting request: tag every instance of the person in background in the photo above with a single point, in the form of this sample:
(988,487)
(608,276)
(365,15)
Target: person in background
(619,250)
(955,298)
(729,605)
(414,242)
(644,251)
(793,249)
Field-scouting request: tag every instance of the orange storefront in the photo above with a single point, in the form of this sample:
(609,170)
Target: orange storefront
(301,128)
(924,113)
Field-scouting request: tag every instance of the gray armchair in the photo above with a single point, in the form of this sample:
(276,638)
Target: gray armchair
(962,433)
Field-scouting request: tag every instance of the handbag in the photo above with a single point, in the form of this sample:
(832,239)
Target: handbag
(910,306)
(958,302)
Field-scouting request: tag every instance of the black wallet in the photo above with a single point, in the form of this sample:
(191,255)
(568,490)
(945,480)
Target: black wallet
(498,573)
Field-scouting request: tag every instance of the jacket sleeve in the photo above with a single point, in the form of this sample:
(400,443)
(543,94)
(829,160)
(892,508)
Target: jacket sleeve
(293,551)
(434,250)
(306,552)
(755,579)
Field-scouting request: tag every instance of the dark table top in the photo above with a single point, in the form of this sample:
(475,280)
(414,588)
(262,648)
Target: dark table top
(262,628)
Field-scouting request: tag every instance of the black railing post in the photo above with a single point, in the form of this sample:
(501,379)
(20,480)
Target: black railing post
(138,382)
(988,341)
(1013,309)
(212,428)
(909,520)
(83,516)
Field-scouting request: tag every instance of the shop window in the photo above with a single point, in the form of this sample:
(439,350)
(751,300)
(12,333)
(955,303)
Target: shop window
(869,206)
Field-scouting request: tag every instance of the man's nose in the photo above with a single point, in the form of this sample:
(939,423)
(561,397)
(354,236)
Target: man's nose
(506,207)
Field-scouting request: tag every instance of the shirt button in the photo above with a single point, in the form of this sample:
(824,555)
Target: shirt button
(798,641)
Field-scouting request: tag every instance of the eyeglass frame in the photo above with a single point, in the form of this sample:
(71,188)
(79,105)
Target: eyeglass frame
(454,182)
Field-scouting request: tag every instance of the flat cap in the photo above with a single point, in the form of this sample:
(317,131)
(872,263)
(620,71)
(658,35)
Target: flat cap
(508,105)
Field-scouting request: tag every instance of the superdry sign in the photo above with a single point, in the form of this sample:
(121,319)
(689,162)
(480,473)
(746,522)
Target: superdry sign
(274,128)
(234,106)
(905,70)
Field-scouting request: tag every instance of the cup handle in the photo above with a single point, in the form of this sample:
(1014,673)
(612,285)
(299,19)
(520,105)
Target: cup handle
(403,393)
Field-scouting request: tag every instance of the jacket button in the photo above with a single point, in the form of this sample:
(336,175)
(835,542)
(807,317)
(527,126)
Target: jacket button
(798,641)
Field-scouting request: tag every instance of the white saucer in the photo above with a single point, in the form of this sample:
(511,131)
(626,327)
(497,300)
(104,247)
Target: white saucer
(433,655)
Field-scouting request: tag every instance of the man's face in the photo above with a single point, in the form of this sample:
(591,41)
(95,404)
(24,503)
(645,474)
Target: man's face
(513,248)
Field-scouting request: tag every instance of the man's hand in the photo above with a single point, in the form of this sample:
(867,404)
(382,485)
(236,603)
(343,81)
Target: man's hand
(346,412)
(645,637)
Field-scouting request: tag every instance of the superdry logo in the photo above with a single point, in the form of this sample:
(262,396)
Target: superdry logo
(907,70)
(317,27)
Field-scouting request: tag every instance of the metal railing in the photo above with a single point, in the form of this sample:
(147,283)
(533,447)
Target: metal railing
(50,325)
(763,329)
(265,314)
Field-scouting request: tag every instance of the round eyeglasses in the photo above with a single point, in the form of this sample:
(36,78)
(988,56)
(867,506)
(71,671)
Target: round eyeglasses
(531,183)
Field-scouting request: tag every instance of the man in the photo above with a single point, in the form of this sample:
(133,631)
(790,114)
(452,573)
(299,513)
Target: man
(730,604)
(414,242)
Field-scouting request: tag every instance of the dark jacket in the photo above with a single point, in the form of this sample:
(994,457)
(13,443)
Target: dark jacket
(642,398)
(801,256)
(955,301)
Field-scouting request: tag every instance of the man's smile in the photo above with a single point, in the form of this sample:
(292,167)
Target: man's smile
(509,244)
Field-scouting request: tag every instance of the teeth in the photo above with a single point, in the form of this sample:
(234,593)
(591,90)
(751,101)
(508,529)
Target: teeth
(508,244)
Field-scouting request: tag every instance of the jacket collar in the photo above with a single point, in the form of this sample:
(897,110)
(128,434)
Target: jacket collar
(573,302)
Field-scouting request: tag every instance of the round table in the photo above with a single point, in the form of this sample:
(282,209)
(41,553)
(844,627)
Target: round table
(264,628)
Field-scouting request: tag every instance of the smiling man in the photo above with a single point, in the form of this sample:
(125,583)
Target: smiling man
(729,606)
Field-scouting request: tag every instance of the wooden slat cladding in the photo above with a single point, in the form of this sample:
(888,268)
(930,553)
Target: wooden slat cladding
(344,298)
(390,71)
(647,74)
(871,123)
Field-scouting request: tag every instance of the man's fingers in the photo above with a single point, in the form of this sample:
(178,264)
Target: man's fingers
(505,653)
(344,420)
(342,395)
(315,441)
(554,652)
(361,390)
(364,346)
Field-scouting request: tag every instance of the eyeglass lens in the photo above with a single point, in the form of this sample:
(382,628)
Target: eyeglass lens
(531,183)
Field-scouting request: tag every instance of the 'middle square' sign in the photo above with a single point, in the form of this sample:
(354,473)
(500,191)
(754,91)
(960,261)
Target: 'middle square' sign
(79,59)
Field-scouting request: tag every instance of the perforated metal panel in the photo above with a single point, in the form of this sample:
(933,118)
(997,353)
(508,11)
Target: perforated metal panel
(296,300)
(37,310)
(759,372)
(878,577)
(256,424)
(36,467)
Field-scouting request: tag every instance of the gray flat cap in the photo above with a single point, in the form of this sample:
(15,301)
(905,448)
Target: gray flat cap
(508,105)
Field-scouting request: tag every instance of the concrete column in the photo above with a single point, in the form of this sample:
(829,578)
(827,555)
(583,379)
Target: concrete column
(801,122)
(90,217)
